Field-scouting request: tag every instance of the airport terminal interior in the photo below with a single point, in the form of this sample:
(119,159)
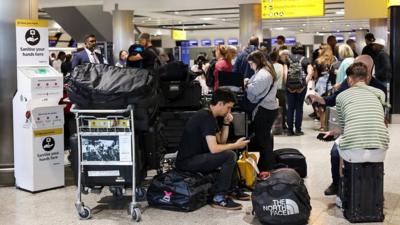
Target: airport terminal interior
(127,112)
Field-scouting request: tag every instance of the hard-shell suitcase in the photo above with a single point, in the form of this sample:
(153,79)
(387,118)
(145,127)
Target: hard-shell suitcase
(361,192)
(293,159)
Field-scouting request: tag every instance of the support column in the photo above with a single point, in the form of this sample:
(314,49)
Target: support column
(360,40)
(9,12)
(395,59)
(379,28)
(123,35)
(267,37)
(250,23)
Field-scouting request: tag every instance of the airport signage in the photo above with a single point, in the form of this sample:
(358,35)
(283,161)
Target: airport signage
(178,35)
(193,43)
(276,9)
(32,42)
(393,3)
(233,41)
(219,42)
(206,42)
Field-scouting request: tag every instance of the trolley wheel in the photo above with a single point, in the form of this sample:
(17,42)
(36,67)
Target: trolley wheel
(85,214)
(136,214)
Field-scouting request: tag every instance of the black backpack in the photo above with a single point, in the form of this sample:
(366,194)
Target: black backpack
(210,79)
(296,75)
(282,198)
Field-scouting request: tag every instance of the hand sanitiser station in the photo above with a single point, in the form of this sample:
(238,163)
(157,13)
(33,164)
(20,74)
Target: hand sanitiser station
(38,118)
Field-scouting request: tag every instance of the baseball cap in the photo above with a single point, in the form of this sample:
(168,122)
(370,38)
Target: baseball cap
(380,41)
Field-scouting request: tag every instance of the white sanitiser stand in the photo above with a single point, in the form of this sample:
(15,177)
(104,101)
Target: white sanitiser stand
(38,129)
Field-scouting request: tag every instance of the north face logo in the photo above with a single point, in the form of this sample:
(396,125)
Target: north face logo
(282,207)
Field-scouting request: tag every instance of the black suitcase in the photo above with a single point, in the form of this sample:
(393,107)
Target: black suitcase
(152,143)
(181,95)
(174,124)
(293,159)
(361,192)
(124,177)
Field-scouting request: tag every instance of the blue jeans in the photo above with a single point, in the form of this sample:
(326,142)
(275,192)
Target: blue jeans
(295,103)
(335,161)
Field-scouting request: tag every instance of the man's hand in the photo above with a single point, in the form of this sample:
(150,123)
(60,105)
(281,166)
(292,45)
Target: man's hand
(228,118)
(316,98)
(335,132)
(241,143)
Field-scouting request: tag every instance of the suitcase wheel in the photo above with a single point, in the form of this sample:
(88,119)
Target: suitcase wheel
(85,213)
(135,213)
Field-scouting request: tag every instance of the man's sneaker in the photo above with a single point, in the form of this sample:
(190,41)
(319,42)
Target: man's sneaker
(290,133)
(240,195)
(226,203)
(298,133)
(331,190)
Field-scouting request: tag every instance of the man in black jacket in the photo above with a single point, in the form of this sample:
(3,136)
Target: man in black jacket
(383,67)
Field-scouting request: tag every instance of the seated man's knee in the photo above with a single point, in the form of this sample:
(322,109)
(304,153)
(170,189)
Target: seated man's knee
(230,156)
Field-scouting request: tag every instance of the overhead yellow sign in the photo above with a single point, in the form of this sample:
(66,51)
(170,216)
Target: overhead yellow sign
(375,9)
(275,9)
(393,3)
(178,35)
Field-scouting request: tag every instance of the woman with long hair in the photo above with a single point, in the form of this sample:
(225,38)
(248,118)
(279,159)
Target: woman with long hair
(262,88)
(224,54)
(325,77)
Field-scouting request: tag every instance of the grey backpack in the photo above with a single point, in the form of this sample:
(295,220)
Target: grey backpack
(296,75)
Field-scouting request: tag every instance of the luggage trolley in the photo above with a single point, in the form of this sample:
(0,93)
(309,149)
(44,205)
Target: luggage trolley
(106,139)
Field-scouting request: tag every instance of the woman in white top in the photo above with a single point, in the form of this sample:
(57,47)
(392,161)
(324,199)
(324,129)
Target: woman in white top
(261,87)
(60,59)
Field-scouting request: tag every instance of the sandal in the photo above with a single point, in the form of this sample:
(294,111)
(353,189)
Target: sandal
(322,129)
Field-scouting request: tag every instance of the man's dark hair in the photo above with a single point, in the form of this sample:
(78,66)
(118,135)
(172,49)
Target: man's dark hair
(357,71)
(331,37)
(298,49)
(223,95)
(254,41)
(350,41)
(281,37)
(89,36)
(370,37)
(274,56)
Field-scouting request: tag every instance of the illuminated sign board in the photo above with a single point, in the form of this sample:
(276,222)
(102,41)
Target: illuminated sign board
(233,41)
(178,34)
(193,43)
(275,9)
(288,41)
(393,3)
(206,42)
(219,42)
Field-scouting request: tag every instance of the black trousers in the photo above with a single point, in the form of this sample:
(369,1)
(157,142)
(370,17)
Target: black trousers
(263,140)
(209,162)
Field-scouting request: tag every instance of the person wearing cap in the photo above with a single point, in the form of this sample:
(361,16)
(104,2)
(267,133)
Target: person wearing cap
(367,50)
(149,55)
(383,67)
(330,101)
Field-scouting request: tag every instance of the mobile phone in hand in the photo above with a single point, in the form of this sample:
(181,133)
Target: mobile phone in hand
(328,138)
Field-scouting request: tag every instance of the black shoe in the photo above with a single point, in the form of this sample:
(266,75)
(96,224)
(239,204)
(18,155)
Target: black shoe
(290,133)
(331,190)
(227,203)
(240,195)
(298,133)
(312,115)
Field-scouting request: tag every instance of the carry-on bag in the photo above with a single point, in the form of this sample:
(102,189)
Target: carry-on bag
(281,199)
(179,191)
(293,159)
(361,192)
(248,170)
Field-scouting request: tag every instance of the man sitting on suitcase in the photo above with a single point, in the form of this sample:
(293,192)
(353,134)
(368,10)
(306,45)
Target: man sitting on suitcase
(203,147)
(364,136)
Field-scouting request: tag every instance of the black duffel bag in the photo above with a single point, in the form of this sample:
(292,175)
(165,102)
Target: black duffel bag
(99,86)
(174,71)
(282,198)
(179,191)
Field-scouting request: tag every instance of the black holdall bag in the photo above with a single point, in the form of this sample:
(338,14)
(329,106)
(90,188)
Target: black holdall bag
(282,198)
(293,159)
(179,191)
(99,86)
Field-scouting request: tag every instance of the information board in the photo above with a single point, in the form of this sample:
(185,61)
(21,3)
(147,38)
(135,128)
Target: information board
(275,9)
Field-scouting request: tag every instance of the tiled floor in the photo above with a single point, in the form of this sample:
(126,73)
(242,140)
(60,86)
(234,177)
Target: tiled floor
(57,206)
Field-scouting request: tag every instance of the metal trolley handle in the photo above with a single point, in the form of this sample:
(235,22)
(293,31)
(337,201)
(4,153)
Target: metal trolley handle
(74,109)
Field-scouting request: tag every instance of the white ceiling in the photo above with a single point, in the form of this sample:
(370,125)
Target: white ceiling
(216,14)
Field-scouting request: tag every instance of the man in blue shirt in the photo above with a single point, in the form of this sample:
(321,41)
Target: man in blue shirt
(241,65)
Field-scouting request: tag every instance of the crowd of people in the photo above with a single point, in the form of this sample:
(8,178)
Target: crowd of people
(355,83)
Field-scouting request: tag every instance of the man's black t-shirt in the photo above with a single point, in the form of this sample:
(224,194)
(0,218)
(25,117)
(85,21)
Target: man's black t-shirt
(149,56)
(193,140)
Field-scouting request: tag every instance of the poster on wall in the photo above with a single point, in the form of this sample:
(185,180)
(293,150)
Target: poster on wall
(32,42)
